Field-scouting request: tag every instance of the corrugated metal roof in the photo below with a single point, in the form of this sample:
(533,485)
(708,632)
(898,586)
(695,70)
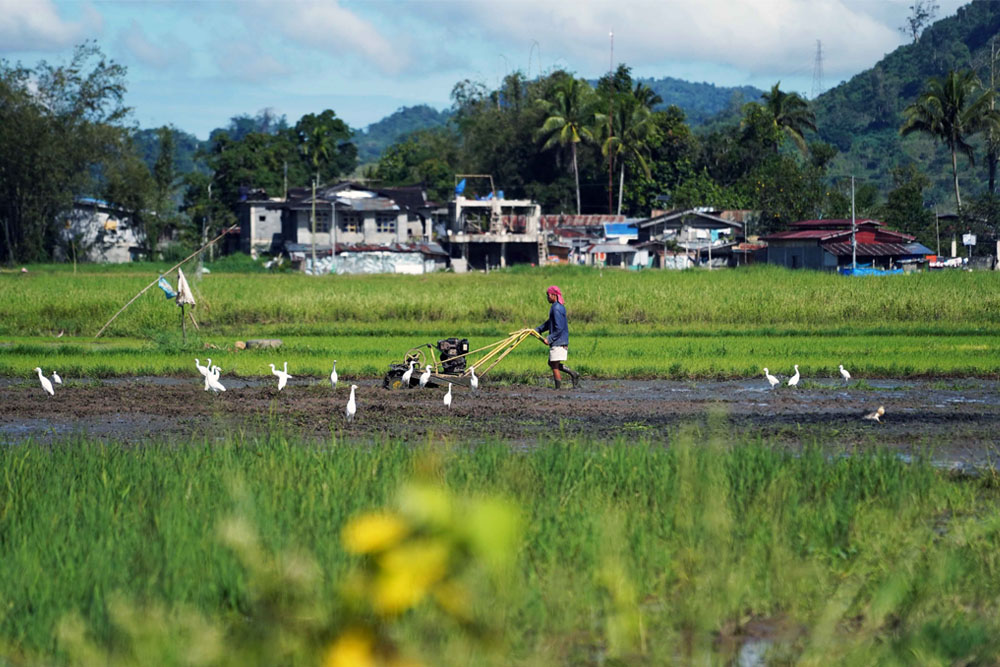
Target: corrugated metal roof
(325,250)
(820,234)
(878,249)
(611,247)
(832,223)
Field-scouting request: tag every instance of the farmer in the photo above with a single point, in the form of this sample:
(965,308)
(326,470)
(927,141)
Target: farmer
(558,338)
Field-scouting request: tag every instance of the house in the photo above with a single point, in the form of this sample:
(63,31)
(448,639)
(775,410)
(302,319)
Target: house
(96,231)
(260,224)
(707,238)
(611,255)
(344,215)
(827,245)
(494,232)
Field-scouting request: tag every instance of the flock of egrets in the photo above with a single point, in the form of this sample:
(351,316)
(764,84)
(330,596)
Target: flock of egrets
(794,382)
(212,373)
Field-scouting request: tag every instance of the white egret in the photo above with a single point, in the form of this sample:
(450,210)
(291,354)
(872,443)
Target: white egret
(447,397)
(281,375)
(213,380)
(794,380)
(844,374)
(770,378)
(408,374)
(204,370)
(425,377)
(875,416)
(56,378)
(352,407)
(46,385)
(333,375)
(474,381)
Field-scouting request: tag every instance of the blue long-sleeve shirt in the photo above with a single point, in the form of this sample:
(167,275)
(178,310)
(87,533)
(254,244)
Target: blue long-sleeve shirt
(556,325)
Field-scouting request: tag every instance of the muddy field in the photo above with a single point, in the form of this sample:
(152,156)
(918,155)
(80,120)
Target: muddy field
(959,419)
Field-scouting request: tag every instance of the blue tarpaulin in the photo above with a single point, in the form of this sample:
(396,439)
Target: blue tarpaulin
(460,188)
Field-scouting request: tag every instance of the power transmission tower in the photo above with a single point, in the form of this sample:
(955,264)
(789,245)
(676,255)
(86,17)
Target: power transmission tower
(817,88)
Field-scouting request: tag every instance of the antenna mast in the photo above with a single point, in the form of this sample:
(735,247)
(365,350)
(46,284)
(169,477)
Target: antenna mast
(817,88)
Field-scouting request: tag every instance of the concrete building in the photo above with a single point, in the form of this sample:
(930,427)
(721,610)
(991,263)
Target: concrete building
(96,231)
(495,232)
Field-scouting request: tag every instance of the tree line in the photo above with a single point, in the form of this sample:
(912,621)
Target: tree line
(569,145)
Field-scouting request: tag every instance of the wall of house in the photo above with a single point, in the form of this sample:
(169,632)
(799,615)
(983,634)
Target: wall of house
(377,262)
(99,235)
(258,225)
(800,257)
(370,227)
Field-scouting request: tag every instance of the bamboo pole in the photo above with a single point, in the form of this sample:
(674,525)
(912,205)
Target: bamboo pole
(144,289)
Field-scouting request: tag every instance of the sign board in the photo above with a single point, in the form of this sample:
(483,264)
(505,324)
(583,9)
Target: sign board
(968,239)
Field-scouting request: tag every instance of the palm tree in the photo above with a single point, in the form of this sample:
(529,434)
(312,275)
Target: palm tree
(569,116)
(791,115)
(634,131)
(949,110)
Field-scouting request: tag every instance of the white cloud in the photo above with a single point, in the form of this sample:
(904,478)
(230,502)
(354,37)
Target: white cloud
(162,53)
(753,36)
(335,30)
(38,26)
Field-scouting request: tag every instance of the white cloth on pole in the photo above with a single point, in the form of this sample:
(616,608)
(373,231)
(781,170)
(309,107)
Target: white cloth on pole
(184,296)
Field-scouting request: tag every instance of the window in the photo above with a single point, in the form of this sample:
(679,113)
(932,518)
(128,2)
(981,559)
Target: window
(322,222)
(262,218)
(385,223)
(350,222)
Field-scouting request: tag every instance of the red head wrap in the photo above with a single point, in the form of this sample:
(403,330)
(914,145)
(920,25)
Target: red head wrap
(555,291)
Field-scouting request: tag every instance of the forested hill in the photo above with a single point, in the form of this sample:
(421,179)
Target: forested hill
(862,116)
(378,136)
(700,101)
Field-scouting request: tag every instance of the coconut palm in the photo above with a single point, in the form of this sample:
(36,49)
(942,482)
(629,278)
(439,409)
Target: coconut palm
(952,109)
(633,131)
(791,115)
(568,120)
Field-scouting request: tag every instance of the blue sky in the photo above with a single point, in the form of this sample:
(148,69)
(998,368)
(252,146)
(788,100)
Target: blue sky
(196,63)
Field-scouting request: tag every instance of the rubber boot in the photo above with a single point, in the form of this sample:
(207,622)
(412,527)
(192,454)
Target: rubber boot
(558,384)
(574,376)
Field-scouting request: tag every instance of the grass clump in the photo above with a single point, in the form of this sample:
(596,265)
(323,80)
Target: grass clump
(628,551)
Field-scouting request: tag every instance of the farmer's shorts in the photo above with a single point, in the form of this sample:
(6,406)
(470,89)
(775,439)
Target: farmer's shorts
(558,353)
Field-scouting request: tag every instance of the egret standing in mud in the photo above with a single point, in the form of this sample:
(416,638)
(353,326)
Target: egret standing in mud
(282,375)
(447,397)
(352,407)
(875,416)
(407,375)
(55,378)
(770,378)
(794,380)
(213,380)
(425,377)
(474,381)
(46,385)
(844,374)
(333,375)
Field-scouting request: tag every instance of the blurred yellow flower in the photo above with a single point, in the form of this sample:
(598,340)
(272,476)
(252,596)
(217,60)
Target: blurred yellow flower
(354,648)
(373,532)
(407,573)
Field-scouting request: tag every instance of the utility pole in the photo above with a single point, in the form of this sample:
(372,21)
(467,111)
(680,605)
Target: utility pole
(937,231)
(611,131)
(315,268)
(854,229)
